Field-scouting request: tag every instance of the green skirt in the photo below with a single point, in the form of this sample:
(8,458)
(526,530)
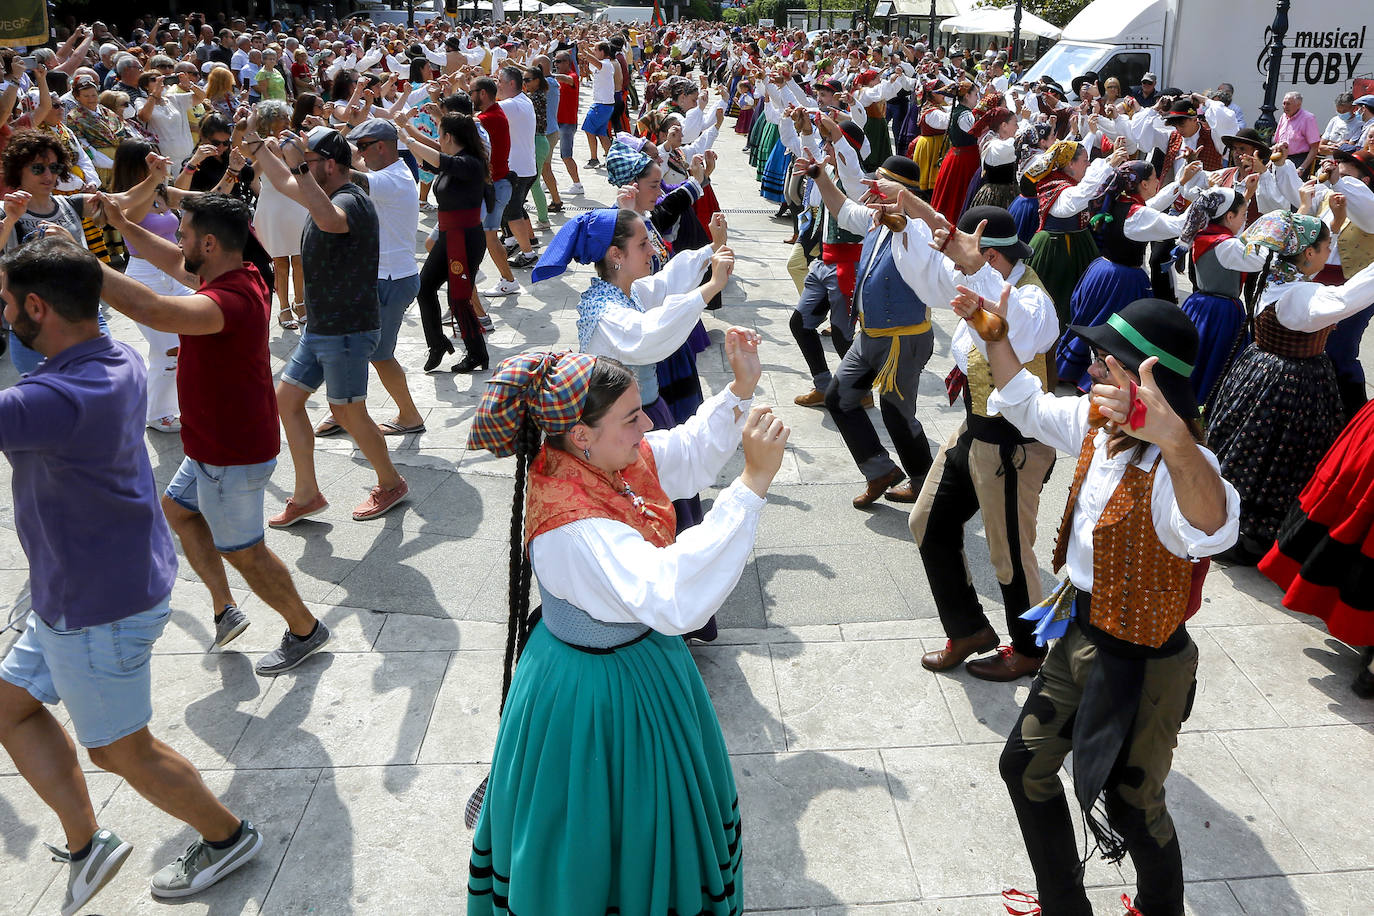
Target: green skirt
(758,156)
(610,789)
(1060,259)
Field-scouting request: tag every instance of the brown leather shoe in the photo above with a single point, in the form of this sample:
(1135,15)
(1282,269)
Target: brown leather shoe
(904,493)
(877,487)
(867,402)
(956,650)
(1006,665)
(813,398)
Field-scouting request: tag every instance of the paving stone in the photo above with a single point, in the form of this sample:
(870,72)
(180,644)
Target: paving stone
(819,828)
(803,586)
(1312,684)
(743,691)
(1344,892)
(467,710)
(859,694)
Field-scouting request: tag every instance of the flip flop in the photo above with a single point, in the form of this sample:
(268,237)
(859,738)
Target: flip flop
(392,428)
(327,428)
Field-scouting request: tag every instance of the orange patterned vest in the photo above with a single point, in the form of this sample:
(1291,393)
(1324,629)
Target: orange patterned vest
(563,489)
(1140,589)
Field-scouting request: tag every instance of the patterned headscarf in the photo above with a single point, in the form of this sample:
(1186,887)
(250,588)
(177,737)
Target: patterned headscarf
(1285,234)
(624,165)
(550,387)
(1054,160)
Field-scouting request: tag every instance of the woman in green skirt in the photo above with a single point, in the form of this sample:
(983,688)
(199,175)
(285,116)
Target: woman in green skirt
(610,786)
(1065,187)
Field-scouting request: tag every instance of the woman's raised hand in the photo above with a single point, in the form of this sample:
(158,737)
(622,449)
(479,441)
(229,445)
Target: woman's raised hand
(765,441)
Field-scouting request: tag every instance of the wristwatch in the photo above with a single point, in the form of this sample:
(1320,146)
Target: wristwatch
(301,169)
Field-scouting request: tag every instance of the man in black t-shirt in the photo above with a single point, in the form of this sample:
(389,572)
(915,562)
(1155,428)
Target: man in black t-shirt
(340,248)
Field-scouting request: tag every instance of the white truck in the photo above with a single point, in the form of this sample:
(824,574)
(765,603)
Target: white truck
(1195,44)
(625,14)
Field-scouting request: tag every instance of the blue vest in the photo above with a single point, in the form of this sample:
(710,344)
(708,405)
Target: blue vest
(883,297)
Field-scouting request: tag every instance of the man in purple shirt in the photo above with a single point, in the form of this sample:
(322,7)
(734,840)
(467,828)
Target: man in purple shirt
(101,568)
(1298,128)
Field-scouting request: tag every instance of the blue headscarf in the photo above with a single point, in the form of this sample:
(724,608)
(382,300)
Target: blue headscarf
(583,239)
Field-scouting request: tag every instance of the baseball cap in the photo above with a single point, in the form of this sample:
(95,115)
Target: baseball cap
(330,144)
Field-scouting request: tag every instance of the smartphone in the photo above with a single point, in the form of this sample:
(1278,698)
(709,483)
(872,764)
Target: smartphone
(29,61)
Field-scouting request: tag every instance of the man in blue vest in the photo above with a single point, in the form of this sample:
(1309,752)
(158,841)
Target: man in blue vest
(892,342)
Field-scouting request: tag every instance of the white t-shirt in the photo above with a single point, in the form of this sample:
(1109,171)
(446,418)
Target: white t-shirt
(397,202)
(520,113)
(603,81)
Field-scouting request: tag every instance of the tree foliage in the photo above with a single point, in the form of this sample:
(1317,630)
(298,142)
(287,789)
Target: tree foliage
(1056,12)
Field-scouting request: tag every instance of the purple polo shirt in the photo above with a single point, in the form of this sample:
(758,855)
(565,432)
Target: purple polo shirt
(86,508)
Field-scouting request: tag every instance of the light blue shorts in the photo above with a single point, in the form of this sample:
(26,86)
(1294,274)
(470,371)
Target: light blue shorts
(491,219)
(395,295)
(337,361)
(230,499)
(101,673)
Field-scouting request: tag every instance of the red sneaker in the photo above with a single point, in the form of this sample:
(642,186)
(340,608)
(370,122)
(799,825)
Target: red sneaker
(380,502)
(293,511)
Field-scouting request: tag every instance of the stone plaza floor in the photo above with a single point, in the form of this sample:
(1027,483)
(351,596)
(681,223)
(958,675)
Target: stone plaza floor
(867,784)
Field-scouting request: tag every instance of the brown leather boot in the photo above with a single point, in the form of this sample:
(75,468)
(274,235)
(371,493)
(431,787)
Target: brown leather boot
(1006,665)
(813,398)
(876,488)
(956,650)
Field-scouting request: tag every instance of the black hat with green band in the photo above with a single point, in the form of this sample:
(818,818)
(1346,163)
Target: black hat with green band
(1152,327)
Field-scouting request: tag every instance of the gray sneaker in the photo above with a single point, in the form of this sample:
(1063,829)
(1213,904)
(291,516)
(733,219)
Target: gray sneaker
(87,877)
(201,865)
(230,624)
(292,652)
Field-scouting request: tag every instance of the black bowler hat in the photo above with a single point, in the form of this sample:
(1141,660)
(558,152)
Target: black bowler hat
(1047,84)
(1152,327)
(902,170)
(999,233)
(1181,110)
(1252,137)
(1076,84)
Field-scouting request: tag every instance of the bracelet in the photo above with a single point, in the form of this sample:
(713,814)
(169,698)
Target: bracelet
(231,173)
(190,167)
(948,239)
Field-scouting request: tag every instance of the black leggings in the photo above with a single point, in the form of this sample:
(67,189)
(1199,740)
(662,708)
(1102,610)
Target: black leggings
(433,275)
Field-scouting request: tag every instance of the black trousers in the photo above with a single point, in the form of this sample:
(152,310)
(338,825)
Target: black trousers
(433,275)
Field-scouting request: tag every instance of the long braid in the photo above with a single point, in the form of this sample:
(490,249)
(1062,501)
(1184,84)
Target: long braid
(517,629)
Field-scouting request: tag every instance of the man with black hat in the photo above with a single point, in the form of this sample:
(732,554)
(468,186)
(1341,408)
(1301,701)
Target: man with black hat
(987,466)
(1250,154)
(892,342)
(1145,502)
(1346,205)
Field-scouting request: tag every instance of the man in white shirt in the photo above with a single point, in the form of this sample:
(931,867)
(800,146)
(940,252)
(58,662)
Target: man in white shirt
(240,58)
(519,111)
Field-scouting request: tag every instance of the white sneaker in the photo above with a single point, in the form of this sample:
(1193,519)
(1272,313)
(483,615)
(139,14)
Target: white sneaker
(503,288)
(543,225)
(576,189)
(512,244)
(166,425)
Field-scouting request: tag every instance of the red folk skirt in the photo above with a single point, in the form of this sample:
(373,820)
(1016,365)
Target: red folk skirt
(951,184)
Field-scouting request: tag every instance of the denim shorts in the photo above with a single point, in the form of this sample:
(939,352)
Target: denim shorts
(519,193)
(598,119)
(567,134)
(491,219)
(229,498)
(396,296)
(338,361)
(101,673)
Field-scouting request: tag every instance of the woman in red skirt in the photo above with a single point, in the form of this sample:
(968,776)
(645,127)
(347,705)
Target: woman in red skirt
(959,164)
(1324,556)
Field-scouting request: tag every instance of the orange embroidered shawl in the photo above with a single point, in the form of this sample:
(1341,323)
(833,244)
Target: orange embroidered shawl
(563,488)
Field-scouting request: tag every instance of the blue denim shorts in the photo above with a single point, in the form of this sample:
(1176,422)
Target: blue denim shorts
(338,361)
(229,498)
(101,673)
(567,133)
(396,296)
(491,219)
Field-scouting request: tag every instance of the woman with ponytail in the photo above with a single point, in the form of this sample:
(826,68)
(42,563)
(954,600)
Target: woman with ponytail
(1132,215)
(1278,409)
(611,752)
(1218,263)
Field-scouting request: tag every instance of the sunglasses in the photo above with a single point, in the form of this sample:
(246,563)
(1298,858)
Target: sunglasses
(364,144)
(39,168)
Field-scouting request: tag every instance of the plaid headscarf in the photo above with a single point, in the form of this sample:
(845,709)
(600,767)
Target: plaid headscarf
(624,165)
(549,386)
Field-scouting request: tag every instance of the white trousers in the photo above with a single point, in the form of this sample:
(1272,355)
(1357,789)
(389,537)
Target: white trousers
(162,369)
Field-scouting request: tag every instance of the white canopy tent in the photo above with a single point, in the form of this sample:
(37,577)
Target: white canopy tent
(988,21)
(560,9)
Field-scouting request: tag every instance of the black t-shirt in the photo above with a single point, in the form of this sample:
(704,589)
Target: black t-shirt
(341,268)
(208,173)
(460,182)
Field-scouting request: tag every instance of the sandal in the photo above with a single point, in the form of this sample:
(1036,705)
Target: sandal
(327,427)
(299,309)
(286,320)
(392,428)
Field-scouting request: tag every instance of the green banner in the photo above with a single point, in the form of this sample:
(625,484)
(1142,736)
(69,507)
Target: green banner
(23,22)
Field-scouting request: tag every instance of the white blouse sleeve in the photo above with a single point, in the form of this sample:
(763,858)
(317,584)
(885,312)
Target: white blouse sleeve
(608,570)
(858,114)
(938,118)
(690,455)
(1222,122)
(707,139)
(1149,225)
(999,152)
(1073,200)
(966,120)
(1176,533)
(1060,423)
(1359,202)
(681,274)
(640,338)
(855,218)
(850,171)
(1232,255)
(1311,306)
(1278,188)
(923,268)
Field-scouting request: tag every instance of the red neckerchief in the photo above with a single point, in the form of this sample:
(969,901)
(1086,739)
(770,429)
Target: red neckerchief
(563,489)
(1208,237)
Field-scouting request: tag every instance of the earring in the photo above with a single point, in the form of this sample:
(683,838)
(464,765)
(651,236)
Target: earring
(615,266)
(587,454)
